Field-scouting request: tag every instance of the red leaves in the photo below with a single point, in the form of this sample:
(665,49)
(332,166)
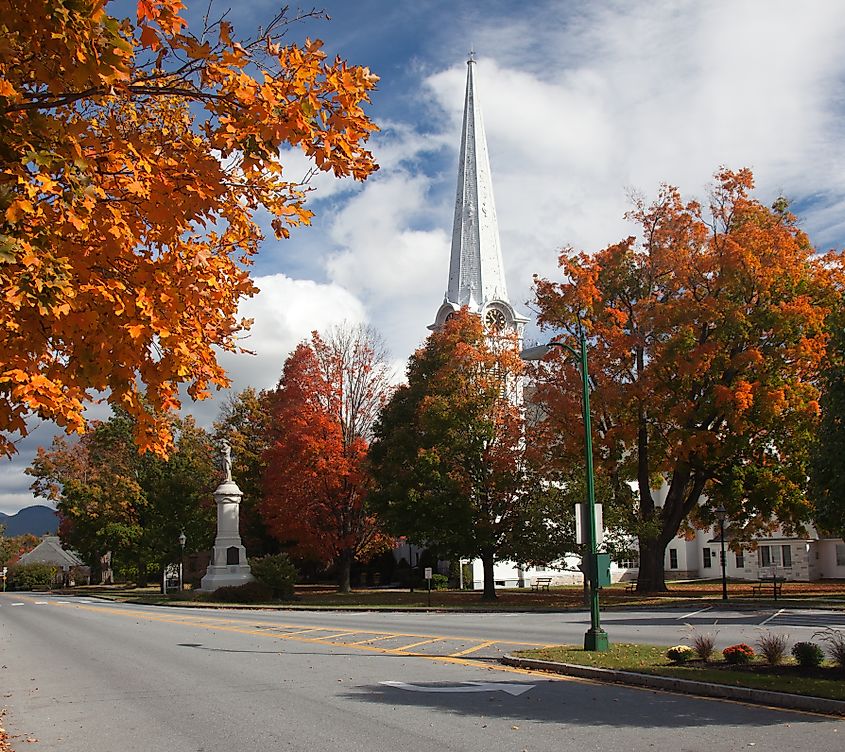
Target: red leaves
(322,415)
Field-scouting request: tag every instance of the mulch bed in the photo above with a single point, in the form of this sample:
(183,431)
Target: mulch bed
(766,669)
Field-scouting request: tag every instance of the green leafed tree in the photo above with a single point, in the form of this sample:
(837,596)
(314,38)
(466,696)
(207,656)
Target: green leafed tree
(827,467)
(130,506)
(453,464)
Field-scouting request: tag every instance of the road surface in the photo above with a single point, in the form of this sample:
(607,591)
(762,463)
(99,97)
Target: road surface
(80,675)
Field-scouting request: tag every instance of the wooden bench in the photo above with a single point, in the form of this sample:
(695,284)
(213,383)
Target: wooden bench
(768,584)
(541,583)
(631,586)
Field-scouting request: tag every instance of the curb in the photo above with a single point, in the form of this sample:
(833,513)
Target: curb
(686,686)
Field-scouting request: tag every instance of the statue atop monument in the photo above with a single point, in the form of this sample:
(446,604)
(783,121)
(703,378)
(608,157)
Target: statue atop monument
(226,460)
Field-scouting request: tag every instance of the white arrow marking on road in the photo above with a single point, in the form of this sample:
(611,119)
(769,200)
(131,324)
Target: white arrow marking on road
(511,689)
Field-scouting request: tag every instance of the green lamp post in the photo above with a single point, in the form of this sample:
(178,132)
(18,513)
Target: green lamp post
(595,638)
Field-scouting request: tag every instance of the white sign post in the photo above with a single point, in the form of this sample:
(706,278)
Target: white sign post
(428,580)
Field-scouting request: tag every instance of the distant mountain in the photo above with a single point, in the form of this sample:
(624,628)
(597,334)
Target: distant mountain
(38,520)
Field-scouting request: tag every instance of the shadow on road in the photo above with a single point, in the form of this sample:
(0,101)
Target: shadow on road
(581,702)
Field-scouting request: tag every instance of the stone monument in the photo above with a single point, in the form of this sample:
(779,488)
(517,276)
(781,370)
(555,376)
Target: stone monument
(228,558)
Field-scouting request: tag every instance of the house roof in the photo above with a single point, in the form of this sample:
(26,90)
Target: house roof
(50,551)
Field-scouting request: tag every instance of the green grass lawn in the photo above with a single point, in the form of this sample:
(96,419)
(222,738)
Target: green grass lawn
(828,682)
(828,594)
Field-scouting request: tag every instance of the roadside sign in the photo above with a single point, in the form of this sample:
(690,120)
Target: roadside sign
(582,523)
(428,573)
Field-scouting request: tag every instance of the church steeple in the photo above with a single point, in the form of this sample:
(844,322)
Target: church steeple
(476,272)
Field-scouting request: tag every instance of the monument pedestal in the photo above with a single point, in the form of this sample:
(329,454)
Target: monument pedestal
(228,558)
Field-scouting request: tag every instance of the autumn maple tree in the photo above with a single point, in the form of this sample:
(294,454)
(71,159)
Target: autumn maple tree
(707,335)
(15,546)
(134,156)
(452,459)
(316,481)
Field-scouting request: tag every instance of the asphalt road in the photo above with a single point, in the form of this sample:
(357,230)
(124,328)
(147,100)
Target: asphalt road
(89,676)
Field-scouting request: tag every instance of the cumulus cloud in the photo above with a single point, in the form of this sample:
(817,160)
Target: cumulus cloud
(284,312)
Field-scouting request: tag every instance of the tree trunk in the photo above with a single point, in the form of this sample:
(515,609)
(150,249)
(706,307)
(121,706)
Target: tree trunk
(344,569)
(487,560)
(143,579)
(651,577)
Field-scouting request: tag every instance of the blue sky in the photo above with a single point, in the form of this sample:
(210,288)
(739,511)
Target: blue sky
(584,104)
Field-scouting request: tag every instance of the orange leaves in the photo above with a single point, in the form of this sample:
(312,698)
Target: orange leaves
(707,335)
(128,221)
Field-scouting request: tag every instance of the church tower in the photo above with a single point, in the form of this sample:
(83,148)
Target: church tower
(476,273)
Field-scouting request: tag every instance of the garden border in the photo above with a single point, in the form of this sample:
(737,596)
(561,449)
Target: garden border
(686,686)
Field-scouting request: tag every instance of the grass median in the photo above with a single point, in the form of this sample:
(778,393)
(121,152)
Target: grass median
(826,681)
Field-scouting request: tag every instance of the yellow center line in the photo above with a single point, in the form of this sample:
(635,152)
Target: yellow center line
(215,624)
(473,649)
(289,633)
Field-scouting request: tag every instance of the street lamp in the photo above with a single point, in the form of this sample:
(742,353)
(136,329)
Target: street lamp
(595,638)
(721,514)
(182,540)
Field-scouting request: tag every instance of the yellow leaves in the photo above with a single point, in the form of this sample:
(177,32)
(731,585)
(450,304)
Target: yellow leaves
(19,208)
(7,90)
(225,32)
(136,330)
(130,225)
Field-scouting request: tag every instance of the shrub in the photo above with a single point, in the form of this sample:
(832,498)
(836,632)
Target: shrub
(35,576)
(277,573)
(249,592)
(439,582)
(808,654)
(835,640)
(738,654)
(703,643)
(680,653)
(772,647)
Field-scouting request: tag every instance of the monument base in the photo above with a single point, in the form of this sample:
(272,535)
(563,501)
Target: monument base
(225,576)
(228,565)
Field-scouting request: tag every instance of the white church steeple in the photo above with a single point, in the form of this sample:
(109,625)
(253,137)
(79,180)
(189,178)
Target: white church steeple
(476,272)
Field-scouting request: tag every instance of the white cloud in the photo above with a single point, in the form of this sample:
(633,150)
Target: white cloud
(285,312)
